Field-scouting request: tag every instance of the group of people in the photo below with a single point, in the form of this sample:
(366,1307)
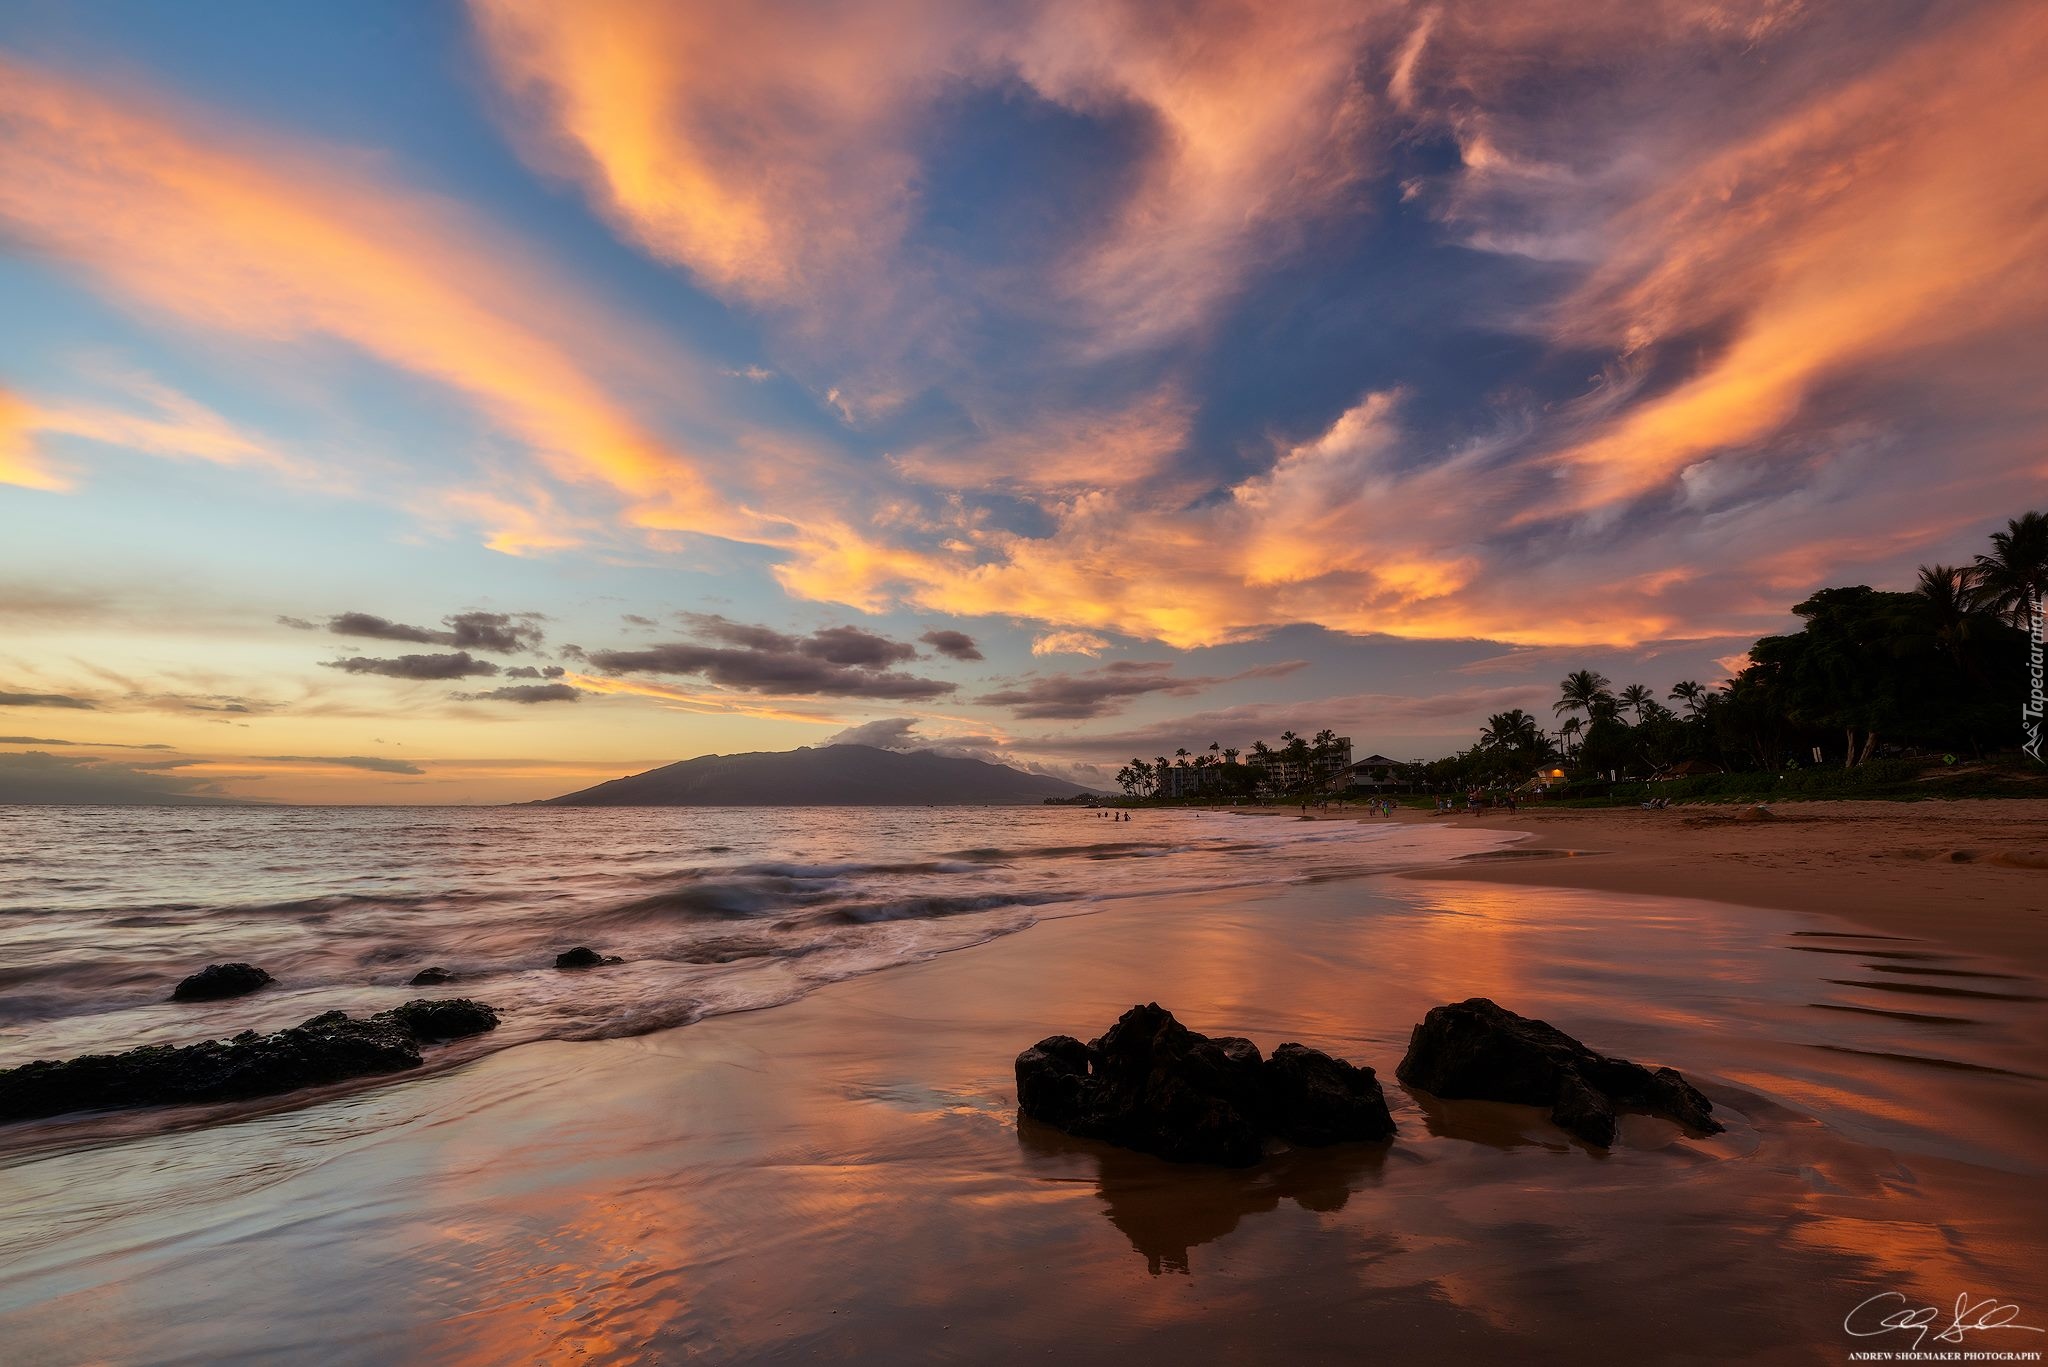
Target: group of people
(1476,803)
(1115,816)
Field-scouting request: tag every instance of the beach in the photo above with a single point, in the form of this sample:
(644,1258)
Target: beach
(844,1177)
(1969,875)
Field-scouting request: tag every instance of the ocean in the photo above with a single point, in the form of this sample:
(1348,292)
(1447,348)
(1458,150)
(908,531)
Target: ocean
(712,910)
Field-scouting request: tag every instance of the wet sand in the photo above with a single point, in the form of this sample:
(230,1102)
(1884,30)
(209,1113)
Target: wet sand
(1967,875)
(845,1178)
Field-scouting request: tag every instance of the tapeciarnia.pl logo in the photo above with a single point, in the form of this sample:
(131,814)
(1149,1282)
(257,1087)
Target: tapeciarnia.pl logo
(2030,714)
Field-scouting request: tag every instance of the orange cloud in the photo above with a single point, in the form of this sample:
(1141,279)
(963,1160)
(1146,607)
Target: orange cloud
(1099,449)
(20,464)
(773,150)
(274,242)
(177,426)
(1880,224)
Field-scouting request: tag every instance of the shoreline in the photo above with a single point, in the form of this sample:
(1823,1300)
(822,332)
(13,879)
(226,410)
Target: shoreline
(701,1192)
(1971,874)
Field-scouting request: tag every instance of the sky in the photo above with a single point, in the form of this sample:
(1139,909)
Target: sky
(413,402)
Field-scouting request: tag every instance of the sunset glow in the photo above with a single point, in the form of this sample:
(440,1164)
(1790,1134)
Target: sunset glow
(1238,367)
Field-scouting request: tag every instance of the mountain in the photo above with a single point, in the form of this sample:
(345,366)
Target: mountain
(828,776)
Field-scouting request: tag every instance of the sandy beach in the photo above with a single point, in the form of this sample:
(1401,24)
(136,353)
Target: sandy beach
(845,1178)
(1967,875)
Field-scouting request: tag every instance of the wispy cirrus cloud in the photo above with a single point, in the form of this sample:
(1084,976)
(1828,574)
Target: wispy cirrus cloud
(271,241)
(159,422)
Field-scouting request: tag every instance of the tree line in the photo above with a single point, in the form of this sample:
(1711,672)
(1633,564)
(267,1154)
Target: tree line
(1935,668)
(1226,771)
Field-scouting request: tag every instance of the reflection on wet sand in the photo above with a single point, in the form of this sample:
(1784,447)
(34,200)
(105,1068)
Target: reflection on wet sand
(1166,1210)
(846,1177)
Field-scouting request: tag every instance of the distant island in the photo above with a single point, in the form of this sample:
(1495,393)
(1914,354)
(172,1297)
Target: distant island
(827,776)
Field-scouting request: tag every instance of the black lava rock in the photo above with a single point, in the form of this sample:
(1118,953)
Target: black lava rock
(1152,1084)
(1477,1050)
(216,981)
(331,1047)
(431,977)
(1314,1099)
(584,957)
(443,1019)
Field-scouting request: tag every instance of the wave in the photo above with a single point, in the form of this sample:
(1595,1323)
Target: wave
(928,908)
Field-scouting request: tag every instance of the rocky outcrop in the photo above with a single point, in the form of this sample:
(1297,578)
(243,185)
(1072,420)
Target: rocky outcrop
(584,957)
(332,1047)
(430,977)
(217,981)
(1480,1051)
(1150,1083)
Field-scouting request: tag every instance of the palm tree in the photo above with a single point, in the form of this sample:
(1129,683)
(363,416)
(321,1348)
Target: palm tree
(1295,755)
(1584,690)
(1950,592)
(1230,753)
(1569,732)
(1635,698)
(1692,694)
(1180,758)
(2015,573)
(1514,730)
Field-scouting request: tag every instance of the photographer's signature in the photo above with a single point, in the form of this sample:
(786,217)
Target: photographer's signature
(1888,1312)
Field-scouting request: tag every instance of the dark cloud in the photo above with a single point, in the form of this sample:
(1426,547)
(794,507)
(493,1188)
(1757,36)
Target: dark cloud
(88,744)
(713,627)
(217,703)
(842,662)
(45,700)
(956,644)
(769,671)
(502,632)
(35,777)
(382,629)
(856,648)
(848,646)
(533,672)
(1097,692)
(373,763)
(526,693)
(461,665)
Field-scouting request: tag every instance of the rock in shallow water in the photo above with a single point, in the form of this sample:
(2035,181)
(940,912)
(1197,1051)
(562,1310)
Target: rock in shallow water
(584,957)
(331,1047)
(217,981)
(431,977)
(429,1020)
(1480,1051)
(1152,1084)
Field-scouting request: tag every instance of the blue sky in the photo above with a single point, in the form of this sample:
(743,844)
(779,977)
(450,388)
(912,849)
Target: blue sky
(1250,368)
